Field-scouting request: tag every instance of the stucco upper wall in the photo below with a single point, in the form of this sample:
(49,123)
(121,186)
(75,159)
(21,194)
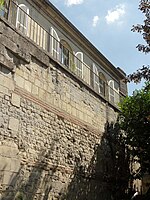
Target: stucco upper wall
(73,35)
(50,30)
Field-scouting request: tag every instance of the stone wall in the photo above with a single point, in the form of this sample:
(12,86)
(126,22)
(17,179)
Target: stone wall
(51,127)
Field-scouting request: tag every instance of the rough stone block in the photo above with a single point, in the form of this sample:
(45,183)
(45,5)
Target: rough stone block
(73,111)
(15,165)
(8,83)
(8,178)
(35,90)
(69,108)
(13,124)
(7,63)
(5,151)
(1,122)
(64,105)
(15,100)
(1,79)
(37,82)
(28,86)
(81,115)
(3,89)
(26,76)
(48,97)
(31,79)
(57,186)
(19,71)
(5,163)
(42,93)
(19,81)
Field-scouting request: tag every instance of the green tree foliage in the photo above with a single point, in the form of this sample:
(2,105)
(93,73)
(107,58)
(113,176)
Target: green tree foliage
(1,3)
(144,29)
(135,121)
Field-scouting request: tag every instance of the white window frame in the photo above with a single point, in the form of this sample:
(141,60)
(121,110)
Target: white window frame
(79,61)
(111,87)
(86,73)
(96,78)
(64,56)
(102,85)
(55,38)
(19,8)
(115,92)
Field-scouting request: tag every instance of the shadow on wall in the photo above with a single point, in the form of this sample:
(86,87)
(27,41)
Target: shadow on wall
(37,184)
(107,176)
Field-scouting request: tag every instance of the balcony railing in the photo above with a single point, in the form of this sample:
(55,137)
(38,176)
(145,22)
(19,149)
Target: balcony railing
(20,18)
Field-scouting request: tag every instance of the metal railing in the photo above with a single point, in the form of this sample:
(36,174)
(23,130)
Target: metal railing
(20,18)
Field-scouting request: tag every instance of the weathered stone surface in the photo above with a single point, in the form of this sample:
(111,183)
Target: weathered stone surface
(15,100)
(5,163)
(50,126)
(13,124)
(8,178)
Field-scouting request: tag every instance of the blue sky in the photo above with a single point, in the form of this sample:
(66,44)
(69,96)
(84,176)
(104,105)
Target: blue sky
(107,24)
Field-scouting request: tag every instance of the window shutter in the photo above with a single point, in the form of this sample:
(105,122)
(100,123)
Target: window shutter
(111,91)
(22,18)
(79,64)
(55,41)
(96,78)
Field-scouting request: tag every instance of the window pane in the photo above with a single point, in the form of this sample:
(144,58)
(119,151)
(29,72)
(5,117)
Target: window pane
(79,63)
(64,55)
(22,18)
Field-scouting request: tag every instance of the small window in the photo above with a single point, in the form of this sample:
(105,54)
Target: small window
(55,41)
(22,18)
(79,64)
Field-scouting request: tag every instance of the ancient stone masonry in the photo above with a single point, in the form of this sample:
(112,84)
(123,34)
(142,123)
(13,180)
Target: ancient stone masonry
(50,124)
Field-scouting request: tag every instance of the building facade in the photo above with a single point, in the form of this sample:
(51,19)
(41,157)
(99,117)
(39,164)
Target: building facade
(57,95)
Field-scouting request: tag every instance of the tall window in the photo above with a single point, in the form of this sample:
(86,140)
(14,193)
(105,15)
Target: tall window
(111,91)
(96,78)
(99,81)
(22,18)
(86,73)
(79,64)
(66,54)
(102,84)
(55,41)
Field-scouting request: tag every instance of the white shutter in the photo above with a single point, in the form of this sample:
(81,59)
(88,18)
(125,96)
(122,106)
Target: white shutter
(111,91)
(86,73)
(79,64)
(96,78)
(22,18)
(55,41)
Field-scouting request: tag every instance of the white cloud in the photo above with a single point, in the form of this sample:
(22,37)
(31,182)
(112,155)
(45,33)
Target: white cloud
(95,21)
(73,2)
(115,14)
